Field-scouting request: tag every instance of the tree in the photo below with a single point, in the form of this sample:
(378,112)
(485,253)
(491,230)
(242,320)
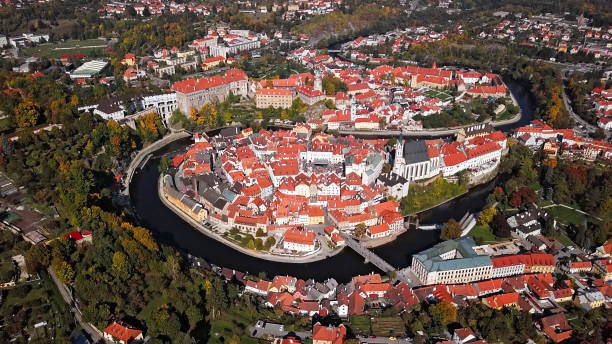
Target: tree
(486,215)
(121,265)
(216,299)
(451,230)
(37,257)
(194,316)
(360,230)
(164,164)
(63,271)
(26,114)
(516,200)
(387,168)
(227,117)
(270,241)
(500,226)
(443,313)
(599,134)
(144,236)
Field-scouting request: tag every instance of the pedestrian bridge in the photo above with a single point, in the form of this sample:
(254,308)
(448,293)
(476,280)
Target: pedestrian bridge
(369,256)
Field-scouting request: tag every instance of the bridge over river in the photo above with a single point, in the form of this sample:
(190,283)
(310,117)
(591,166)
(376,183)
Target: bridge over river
(404,275)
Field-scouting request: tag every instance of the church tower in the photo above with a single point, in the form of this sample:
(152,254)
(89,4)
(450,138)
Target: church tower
(353,109)
(399,163)
(318,83)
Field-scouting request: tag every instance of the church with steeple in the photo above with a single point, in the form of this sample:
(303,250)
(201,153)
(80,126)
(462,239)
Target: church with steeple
(415,160)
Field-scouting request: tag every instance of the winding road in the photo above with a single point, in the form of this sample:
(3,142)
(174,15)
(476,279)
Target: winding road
(93,332)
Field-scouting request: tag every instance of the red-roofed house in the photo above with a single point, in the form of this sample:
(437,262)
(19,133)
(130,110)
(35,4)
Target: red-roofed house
(501,300)
(379,231)
(556,327)
(309,95)
(298,240)
(122,333)
(328,334)
(463,335)
(576,267)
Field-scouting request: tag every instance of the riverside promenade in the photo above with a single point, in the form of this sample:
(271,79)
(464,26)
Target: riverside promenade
(323,253)
(143,153)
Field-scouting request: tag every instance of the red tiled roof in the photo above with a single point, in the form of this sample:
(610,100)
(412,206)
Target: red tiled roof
(334,335)
(76,236)
(273,92)
(377,229)
(300,237)
(122,332)
(501,300)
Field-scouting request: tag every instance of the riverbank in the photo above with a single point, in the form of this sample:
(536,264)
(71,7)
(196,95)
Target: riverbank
(171,229)
(321,254)
(144,152)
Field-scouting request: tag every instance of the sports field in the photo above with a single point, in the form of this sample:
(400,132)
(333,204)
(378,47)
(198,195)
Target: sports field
(56,50)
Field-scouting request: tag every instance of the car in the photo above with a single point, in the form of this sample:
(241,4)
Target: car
(392,338)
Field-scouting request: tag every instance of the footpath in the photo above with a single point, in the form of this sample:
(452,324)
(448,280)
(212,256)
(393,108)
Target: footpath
(91,330)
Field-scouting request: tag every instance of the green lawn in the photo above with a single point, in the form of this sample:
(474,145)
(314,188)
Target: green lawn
(423,197)
(68,47)
(570,216)
(438,94)
(565,240)
(360,324)
(484,235)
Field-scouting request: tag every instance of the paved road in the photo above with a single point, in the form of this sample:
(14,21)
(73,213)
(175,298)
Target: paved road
(135,163)
(93,333)
(570,110)
(384,340)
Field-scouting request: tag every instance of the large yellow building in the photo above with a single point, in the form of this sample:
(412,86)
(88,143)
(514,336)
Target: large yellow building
(187,204)
(273,97)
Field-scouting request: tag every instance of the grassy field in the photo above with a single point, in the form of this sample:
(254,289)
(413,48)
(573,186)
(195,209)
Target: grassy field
(565,240)
(55,50)
(423,197)
(570,216)
(484,235)
(388,327)
(360,324)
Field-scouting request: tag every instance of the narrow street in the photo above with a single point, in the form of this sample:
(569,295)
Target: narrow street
(93,333)
(589,127)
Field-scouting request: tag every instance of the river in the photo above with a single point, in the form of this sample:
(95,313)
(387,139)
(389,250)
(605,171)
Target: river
(172,230)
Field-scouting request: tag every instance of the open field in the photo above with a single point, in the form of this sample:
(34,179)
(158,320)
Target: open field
(570,216)
(55,50)
(360,324)
(388,327)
